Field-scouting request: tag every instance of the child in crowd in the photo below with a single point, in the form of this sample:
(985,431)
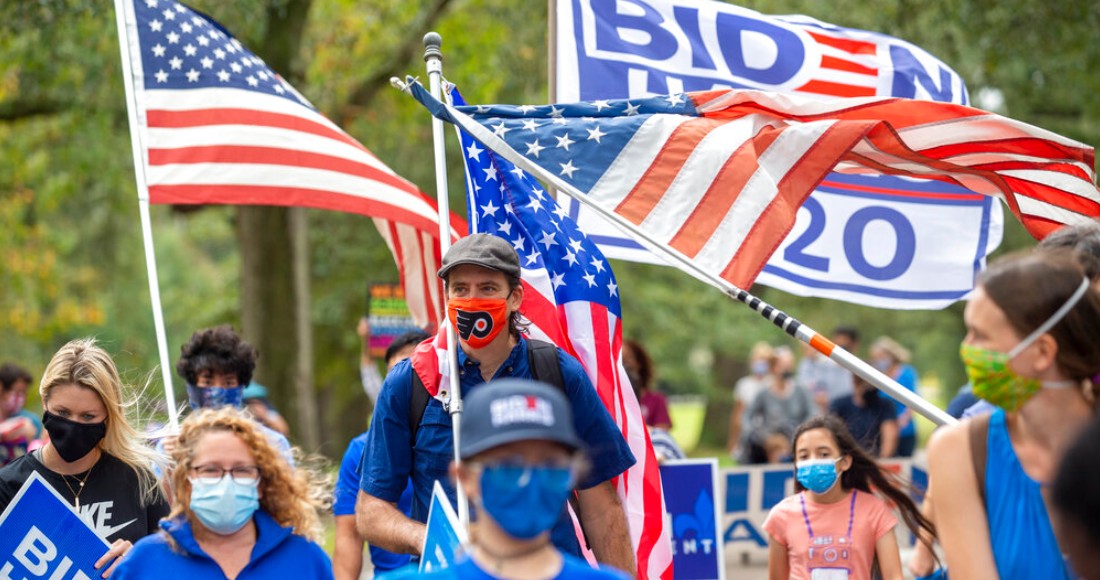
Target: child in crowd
(835,526)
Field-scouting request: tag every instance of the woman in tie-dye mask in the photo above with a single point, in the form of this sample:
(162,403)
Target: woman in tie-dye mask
(1032,348)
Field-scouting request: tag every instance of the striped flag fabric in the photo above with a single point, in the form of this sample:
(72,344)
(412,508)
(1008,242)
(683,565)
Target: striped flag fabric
(571,299)
(217,126)
(718,176)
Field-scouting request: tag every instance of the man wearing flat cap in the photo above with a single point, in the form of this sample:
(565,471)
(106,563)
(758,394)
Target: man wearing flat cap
(411,438)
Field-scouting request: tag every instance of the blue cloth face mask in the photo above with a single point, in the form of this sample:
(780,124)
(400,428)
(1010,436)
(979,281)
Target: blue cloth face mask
(817,475)
(224,505)
(215,397)
(525,501)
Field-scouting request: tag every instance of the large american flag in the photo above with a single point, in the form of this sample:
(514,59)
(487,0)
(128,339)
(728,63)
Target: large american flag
(217,126)
(571,299)
(718,176)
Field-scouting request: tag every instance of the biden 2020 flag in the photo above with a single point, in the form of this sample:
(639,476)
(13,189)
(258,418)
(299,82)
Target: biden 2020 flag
(42,537)
(881,241)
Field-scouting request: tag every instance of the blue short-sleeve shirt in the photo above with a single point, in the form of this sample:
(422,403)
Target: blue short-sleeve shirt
(390,457)
(347,491)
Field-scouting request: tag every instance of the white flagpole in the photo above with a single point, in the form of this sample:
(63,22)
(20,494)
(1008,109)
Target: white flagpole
(433,61)
(127,36)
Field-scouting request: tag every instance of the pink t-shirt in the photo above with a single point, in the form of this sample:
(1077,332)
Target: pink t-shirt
(832,545)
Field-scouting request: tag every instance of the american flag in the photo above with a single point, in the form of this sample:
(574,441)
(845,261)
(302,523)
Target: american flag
(217,126)
(718,176)
(571,299)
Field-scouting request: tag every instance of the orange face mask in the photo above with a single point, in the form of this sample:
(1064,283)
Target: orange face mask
(478,320)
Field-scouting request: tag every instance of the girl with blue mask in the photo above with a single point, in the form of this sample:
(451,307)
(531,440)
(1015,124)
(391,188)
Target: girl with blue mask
(239,510)
(839,525)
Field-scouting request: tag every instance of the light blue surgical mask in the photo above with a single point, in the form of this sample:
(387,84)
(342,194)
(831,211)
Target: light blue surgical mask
(215,397)
(817,475)
(224,505)
(525,501)
(760,367)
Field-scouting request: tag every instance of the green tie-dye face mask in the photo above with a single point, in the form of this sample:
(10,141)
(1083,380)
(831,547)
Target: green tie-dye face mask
(990,376)
(992,379)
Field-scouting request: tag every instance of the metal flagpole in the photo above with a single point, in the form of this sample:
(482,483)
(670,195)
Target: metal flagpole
(785,322)
(126,36)
(433,60)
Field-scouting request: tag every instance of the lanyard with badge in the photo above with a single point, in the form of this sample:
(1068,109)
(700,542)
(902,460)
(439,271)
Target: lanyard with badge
(828,557)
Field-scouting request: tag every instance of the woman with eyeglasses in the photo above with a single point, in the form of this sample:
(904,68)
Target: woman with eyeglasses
(239,511)
(94,459)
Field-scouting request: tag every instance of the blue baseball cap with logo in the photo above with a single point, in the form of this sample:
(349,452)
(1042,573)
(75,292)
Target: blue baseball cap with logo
(509,410)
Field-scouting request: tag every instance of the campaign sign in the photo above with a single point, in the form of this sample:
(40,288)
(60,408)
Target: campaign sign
(42,537)
(389,317)
(446,539)
(690,487)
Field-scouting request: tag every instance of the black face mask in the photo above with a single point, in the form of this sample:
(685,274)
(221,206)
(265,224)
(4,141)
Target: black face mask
(73,440)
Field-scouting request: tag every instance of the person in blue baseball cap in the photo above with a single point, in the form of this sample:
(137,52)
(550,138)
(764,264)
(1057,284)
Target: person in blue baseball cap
(521,458)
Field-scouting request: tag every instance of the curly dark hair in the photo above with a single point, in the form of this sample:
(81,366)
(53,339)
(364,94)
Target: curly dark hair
(217,349)
(10,374)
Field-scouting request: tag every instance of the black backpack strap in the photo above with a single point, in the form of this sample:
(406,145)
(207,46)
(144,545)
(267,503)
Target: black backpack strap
(979,443)
(542,357)
(418,403)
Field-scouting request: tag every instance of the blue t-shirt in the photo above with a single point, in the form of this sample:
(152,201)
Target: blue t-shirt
(467,569)
(278,553)
(865,423)
(1020,533)
(907,377)
(347,491)
(389,460)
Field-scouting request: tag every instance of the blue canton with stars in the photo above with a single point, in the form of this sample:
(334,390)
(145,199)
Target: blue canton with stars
(509,203)
(184,49)
(577,142)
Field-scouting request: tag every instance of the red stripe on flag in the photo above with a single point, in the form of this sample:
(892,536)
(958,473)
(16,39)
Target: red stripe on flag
(819,87)
(708,214)
(208,117)
(665,167)
(275,156)
(778,218)
(200,194)
(846,44)
(903,193)
(1030,146)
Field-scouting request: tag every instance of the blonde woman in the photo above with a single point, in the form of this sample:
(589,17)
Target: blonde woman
(94,458)
(239,510)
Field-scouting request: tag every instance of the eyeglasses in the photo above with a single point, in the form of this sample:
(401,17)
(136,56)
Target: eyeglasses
(243,474)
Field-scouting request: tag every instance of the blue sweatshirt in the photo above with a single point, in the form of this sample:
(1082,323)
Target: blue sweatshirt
(278,553)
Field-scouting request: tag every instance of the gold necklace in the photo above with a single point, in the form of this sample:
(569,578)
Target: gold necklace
(81,482)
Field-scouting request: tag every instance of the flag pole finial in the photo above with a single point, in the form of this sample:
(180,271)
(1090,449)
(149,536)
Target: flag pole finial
(432,44)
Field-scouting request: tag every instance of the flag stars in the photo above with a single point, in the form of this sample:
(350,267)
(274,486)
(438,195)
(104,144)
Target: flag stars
(535,205)
(600,105)
(197,21)
(230,48)
(567,169)
(674,100)
(151,3)
(490,173)
(192,76)
(162,77)
(169,14)
(555,112)
(489,209)
(557,280)
(525,109)
(156,25)
(474,152)
(564,142)
(590,278)
(575,244)
(219,53)
(278,88)
(534,148)
(548,240)
(223,75)
(597,264)
(595,134)
(517,172)
(158,50)
(263,75)
(203,41)
(207,62)
(531,259)
(176,63)
(500,129)
(190,50)
(505,226)
(173,38)
(571,257)
(519,244)
(236,67)
(559,121)
(482,109)
(179,8)
(631,109)
(530,125)
(252,82)
(612,289)
(186,28)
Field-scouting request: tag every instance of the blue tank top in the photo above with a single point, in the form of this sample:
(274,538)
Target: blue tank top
(1020,532)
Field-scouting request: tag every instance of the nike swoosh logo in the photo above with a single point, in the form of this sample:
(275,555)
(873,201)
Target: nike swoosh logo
(112,529)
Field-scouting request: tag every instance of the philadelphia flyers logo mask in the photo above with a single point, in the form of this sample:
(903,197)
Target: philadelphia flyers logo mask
(478,320)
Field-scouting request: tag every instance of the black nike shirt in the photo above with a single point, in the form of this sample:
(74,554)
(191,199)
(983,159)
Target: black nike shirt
(110,503)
